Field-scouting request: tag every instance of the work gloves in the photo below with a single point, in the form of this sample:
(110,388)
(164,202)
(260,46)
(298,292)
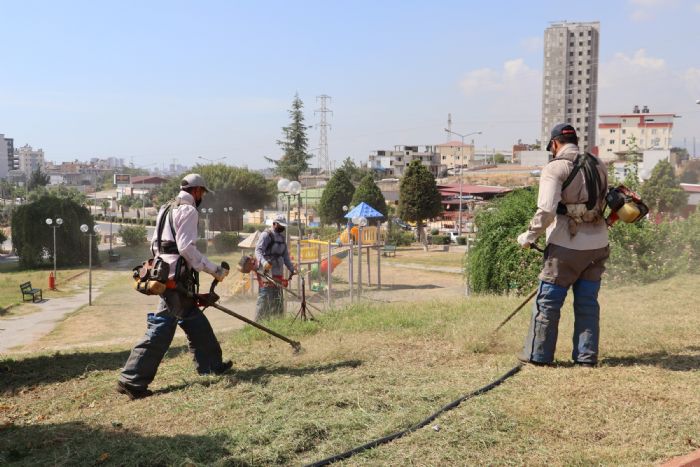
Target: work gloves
(523,241)
(220,273)
(267,266)
(207,299)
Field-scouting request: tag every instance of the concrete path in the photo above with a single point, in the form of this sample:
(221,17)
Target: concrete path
(26,329)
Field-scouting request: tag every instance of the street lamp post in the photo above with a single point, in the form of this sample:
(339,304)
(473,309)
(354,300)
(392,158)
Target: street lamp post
(229,210)
(50,223)
(86,230)
(461,170)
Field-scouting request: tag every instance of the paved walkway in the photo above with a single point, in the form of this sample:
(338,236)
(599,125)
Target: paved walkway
(26,329)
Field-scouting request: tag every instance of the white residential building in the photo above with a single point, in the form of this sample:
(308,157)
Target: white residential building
(455,154)
(31,160)
(393,163)
(642,129)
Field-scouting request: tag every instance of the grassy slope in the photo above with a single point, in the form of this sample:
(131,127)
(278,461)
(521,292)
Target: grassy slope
(367,372)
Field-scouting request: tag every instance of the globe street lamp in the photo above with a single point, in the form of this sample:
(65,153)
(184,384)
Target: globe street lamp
(283,188)
(461,170)
(50,223)
(86,230)
(229,210)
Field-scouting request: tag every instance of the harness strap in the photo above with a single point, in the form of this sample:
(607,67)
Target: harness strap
(167,247)
(591,177)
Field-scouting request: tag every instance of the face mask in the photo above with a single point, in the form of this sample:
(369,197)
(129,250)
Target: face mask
(197,203)
(279,229)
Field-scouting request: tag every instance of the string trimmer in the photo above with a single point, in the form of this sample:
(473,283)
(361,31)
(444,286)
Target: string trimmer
(211,298)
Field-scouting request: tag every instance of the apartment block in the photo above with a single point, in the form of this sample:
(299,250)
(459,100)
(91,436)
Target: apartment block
(393,163)
(640,129)
(30,160)
(570,82)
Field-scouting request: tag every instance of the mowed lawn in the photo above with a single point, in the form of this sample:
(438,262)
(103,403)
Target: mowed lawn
(368,371)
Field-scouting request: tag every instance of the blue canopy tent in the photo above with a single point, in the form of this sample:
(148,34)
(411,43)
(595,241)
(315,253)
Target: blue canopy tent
(364,210)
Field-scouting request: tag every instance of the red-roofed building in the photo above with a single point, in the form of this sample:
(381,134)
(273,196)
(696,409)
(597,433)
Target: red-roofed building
(471,196)
(617,132)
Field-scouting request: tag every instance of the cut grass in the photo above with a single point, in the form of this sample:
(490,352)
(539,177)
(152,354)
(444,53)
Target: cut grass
(368,371)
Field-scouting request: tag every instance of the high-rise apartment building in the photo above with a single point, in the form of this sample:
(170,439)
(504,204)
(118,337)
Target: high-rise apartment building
(30,160)
(570,82)
(8,160)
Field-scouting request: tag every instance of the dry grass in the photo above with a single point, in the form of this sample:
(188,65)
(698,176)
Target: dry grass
(369,371)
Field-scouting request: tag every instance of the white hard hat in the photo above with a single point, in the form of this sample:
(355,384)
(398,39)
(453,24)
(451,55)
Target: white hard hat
(280,219)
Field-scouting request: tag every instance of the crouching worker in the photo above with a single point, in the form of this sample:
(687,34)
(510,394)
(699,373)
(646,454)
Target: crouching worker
(272,255)
(174,241)
(570,208)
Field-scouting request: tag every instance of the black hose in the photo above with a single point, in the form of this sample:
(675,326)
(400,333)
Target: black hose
(421,424)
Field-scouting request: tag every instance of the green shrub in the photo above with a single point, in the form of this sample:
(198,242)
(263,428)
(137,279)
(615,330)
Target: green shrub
(434,232)
(226,242)
(441,239)
(496,263)
(645,252)
(250,228)
(400,238)
(33,241)
(461,240)
(134,236)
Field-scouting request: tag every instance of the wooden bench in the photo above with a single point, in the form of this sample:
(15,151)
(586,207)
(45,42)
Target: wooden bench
(113,257)
(27,289)
(389,250)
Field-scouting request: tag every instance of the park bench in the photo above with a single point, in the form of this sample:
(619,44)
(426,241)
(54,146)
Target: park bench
(27,289)
(113,257)
(389,250)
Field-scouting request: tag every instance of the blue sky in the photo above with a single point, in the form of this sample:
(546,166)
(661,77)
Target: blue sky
(167,80)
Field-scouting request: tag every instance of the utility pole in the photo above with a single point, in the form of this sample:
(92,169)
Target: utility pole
(323,161)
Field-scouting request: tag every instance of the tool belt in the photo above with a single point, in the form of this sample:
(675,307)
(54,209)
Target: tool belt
(578,214)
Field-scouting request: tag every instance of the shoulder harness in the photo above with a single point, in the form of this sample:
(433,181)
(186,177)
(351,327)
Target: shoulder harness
(167,247)
(589,164)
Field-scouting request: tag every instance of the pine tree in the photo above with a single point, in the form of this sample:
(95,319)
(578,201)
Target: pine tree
(662,191)
(37,179)
(338,193)
(419,198)
(295,159)
(369,192)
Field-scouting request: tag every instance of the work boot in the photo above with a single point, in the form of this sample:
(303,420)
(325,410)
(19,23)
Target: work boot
(585,364)
(527,361)
(133,392)
(220,369)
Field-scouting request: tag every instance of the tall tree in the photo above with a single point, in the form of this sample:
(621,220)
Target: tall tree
(354,173)
(369,192)
(338,193)
(235,187)
(37,179)
(419,198)
(662,191)
(295,159)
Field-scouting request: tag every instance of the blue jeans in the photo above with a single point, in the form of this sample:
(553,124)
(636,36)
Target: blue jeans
(541,340)
(269,303)
(175,309)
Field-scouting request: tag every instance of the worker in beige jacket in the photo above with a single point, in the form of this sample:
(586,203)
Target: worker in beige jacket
(569,212)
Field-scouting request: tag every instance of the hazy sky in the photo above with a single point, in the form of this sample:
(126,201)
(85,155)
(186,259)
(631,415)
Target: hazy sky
(164,80)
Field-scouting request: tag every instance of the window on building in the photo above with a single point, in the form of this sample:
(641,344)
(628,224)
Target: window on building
(609,149)
(571,44)
(580,34)
(624,131)
(571,54)
(570,82)
(580,44)
(612,130)
(622,142)
(571,72)
(588,81)
(612,141)
(569,101)
(578,120)
(578,101)
(589,52)
(580,53)
(653,131)
(580,72)
(579,81)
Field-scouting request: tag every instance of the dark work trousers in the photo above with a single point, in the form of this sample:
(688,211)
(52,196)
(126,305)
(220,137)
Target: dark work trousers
(174,309)
(270,303)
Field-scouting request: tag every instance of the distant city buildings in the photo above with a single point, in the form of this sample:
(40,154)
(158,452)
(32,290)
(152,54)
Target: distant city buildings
(570,83)
(30,160)
(455,154)
(640,130)
(392,163)
(8,161)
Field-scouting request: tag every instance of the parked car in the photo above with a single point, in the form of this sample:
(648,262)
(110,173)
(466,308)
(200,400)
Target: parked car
(453,236)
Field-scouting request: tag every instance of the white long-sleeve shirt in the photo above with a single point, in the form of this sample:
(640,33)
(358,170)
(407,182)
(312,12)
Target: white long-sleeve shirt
(591,235)
(185,219)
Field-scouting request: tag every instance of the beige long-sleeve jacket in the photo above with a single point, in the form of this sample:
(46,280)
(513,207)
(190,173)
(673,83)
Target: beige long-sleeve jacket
(590,235)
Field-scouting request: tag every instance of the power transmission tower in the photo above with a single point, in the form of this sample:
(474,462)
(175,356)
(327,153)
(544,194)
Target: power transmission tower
(449,128)
(323,161)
